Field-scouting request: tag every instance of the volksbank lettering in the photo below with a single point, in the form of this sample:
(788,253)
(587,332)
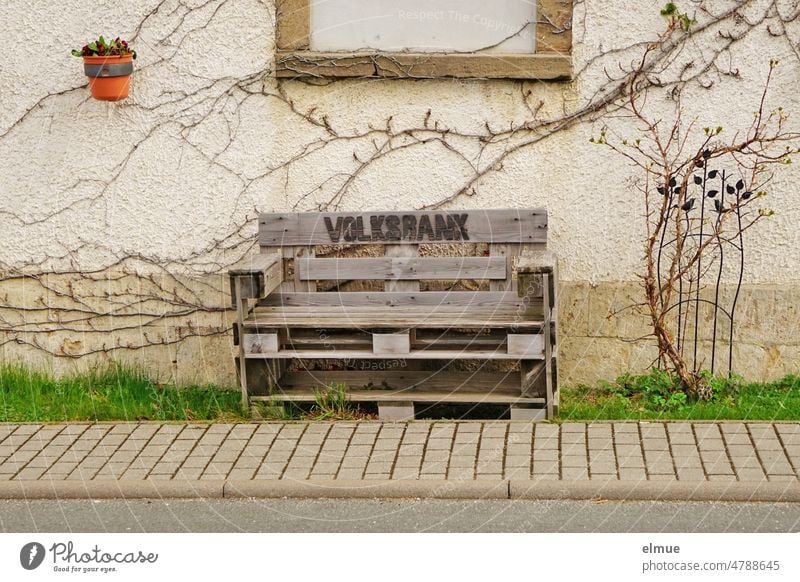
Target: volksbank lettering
(65,553)
(388,227)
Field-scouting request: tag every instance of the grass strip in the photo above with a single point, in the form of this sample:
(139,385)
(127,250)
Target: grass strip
(114,392)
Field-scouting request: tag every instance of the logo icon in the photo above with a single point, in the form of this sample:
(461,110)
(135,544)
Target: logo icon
(31,555)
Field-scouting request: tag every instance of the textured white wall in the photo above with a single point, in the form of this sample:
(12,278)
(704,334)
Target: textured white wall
(208,137)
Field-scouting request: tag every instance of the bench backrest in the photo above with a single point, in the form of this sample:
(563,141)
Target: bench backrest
(323,250)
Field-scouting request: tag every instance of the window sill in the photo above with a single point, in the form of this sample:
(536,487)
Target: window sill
(310,64)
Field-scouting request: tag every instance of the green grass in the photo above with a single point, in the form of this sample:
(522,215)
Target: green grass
(122,393)
(333,404)
(112,393)
(654,396)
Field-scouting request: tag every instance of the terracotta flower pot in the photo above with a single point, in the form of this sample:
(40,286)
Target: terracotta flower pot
(109,77)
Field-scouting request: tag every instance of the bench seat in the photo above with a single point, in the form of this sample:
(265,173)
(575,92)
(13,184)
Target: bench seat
(419,317)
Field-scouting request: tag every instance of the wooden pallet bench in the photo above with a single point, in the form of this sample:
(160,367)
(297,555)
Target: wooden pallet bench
(404,308)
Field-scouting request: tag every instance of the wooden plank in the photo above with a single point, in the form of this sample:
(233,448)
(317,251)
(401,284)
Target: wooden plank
(395,385)
(381,396)
(292,282)
(354,342)
(288,279)
(524,225)
(554,27)
(293,22)
(305,338)
(411,268)
(541,66)
(537,262)
(525,413)
(507,251)
(548,346)
(428,354)
(261,343)
(525,344)
(399,285)
(444,299)
(429,317)
(553,286)
(435,380)
(530,270)
(401,251)
(256,264)
(247,286)
(556,390)
(391,343)
(504,312)
(256,276)
(532,378)
(477,342)
(399,411)
(241,312)
(260,375)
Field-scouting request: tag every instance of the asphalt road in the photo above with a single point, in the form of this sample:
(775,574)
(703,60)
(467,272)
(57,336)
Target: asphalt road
(326,515)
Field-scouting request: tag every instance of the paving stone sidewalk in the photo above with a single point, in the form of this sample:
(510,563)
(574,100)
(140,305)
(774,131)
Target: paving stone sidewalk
(439,451)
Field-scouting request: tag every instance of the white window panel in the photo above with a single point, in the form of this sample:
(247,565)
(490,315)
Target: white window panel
(494,26)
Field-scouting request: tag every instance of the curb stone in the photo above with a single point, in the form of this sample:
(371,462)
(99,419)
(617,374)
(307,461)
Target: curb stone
(518,490)
(756,491)
(111,489)
(389,489)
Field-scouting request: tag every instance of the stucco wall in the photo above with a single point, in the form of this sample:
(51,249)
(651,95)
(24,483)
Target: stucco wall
(170,180)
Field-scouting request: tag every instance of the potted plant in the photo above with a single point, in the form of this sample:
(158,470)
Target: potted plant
(109,66)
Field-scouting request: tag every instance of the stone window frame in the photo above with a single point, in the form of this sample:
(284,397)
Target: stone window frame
(552,59)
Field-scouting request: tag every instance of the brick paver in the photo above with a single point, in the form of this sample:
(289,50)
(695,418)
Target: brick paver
(349,451)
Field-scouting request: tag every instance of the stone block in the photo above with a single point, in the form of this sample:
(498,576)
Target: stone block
(512,461)
(632,474)
(546,455)
(573,308)
(396,411)
(382,468)
(691,474)
(459,462)
(603,468)
(768,443)
(574,473)
(573,461)
(612,312)
(546,466)
(682,439)
(663,477)
(750,474)
(718,468)
(436,455)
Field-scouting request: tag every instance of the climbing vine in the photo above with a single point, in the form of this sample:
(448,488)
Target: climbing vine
(52,304)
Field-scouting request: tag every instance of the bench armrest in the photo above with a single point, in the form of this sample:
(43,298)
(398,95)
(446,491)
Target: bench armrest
(537,262)
(536,265)
(256,276)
